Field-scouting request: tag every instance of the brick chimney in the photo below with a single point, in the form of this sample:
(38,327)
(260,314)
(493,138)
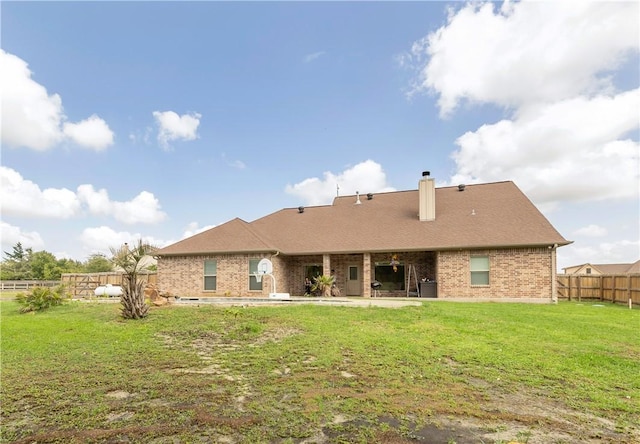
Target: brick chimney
(427,196)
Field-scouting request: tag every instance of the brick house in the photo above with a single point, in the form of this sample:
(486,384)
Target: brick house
(475,241)
(600,269)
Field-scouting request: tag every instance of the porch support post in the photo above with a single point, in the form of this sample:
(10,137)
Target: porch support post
(366,274)
(326,264)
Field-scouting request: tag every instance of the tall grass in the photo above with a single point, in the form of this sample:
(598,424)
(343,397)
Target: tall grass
(272,373)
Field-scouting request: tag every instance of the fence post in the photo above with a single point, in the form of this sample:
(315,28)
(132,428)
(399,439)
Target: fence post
(600,282)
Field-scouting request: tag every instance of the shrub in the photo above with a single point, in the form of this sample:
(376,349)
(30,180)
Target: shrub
(322,284)
(41,298)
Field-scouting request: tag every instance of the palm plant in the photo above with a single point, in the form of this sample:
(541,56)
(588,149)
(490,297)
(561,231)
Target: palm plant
(130,261)
(323,284)
(40,298)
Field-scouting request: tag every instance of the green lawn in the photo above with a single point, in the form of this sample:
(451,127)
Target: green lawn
(458,372)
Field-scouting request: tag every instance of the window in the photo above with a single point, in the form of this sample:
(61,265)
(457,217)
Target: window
(312,271)
(479,270)
(210,274)
(390,280)
(588,270)
(253,281)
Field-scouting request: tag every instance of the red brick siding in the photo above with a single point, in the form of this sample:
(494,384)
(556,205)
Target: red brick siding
(184,275)
(514,273)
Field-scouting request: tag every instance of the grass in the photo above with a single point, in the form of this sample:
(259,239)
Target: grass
(78,373)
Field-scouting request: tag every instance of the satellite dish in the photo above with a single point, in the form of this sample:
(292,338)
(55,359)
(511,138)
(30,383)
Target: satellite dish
(265,266)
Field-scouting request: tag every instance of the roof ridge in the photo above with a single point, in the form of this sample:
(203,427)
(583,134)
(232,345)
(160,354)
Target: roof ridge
(294,208)
(416,189)
(259,235)
(472,184)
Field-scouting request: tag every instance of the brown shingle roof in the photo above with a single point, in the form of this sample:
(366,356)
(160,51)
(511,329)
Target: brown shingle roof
(634,268)
(605,268)
(618,268)
(235,236)
(484,215)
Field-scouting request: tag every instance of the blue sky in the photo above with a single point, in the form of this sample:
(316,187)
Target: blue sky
(155,120)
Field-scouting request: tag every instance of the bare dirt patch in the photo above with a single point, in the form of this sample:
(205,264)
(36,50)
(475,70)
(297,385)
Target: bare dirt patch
(505,417)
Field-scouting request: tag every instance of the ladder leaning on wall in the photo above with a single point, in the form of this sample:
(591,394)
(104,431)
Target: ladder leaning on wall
(411,272)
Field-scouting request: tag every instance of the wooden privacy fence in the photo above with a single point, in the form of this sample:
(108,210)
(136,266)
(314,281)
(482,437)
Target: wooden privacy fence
(83,285)
(611,287)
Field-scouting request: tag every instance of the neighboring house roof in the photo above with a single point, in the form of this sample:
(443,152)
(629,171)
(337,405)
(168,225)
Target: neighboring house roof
(484,215)
(606,268)
(146,261)
(635,267)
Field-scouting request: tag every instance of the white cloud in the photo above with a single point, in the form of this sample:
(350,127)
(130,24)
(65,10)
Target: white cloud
(23,198)
(609,252)
(30,116)
(102,239)
(313,56)
(33,118)
(174,127)
(365,177)
(238,164)
(11,235)
(616,251)
(91,133)
(144,208)
(97,202)
(193,228)
(574,150)
(591,230)
(551,64)
(525,52)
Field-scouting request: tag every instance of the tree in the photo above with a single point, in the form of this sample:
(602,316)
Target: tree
(26,264)
(97,263)
(16,265)
(65,265)
(43,265)
(52,271)
(130,261)
(18,254)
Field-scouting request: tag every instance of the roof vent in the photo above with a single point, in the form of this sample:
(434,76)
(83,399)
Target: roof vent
(426,173)
(358,198)
(300,209)
(461,187)
(369,196)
